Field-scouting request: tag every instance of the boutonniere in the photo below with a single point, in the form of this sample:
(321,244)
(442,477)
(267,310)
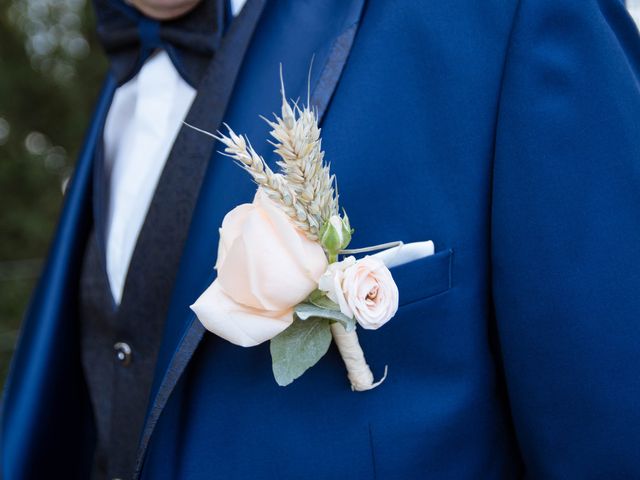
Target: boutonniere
(284,272)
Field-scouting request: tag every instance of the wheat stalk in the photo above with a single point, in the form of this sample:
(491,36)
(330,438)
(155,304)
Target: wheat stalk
(305,188)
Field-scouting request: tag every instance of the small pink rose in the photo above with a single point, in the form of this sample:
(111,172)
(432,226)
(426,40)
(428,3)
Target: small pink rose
(265,267)
(371,293)
(363,289)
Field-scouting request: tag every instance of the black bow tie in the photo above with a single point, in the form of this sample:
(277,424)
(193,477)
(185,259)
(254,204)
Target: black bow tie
(129,37)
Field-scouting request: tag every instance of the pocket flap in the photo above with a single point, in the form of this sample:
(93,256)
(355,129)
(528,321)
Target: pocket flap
(424,277)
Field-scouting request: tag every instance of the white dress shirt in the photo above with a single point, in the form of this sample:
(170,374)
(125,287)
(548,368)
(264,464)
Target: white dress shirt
(634,9)
(142,124)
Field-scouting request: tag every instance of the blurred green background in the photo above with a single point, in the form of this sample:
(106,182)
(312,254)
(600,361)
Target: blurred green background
(51,67)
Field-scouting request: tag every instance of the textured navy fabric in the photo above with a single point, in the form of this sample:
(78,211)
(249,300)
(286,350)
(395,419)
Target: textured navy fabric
(508,133)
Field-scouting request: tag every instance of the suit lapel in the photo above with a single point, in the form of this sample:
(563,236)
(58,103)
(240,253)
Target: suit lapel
(280,38)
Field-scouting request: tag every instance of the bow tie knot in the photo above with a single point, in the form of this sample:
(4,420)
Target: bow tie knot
(149,32)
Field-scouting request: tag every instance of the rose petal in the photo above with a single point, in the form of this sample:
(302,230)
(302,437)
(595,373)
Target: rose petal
(270,265)
(232,226)
(237,324)
(310,256)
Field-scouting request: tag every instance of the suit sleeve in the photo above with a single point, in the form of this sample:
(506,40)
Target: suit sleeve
(566,238)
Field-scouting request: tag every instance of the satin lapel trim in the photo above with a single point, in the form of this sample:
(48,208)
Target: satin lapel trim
(322,93)
(337,58)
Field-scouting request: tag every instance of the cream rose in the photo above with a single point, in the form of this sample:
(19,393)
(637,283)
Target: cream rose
(331,283)
(265,267)
(363,289)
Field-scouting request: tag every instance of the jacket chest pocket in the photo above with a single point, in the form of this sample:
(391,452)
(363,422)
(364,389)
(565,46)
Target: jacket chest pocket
(425,277)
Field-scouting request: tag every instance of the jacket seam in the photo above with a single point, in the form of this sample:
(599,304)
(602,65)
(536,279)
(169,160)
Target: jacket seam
(505,64)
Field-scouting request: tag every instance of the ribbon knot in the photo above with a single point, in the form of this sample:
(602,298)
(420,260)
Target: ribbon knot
(149,34)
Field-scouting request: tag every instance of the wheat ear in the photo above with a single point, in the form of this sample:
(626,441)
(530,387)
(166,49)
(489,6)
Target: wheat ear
(275,185)
(299,146)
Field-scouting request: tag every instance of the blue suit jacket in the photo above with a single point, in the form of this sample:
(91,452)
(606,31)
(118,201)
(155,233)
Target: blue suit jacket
(506,131)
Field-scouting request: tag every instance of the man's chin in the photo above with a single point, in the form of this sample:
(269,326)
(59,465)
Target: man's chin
(164,9)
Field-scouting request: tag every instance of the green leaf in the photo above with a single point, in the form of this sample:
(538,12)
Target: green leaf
(320,299)
(305,311)
(299,348)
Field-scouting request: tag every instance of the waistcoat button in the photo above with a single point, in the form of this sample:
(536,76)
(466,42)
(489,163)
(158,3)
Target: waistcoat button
(123,353)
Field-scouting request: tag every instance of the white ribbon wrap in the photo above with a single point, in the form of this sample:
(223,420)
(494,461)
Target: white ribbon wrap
(358,370)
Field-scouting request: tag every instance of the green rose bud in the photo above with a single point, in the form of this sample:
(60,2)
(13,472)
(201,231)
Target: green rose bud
(335,235)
